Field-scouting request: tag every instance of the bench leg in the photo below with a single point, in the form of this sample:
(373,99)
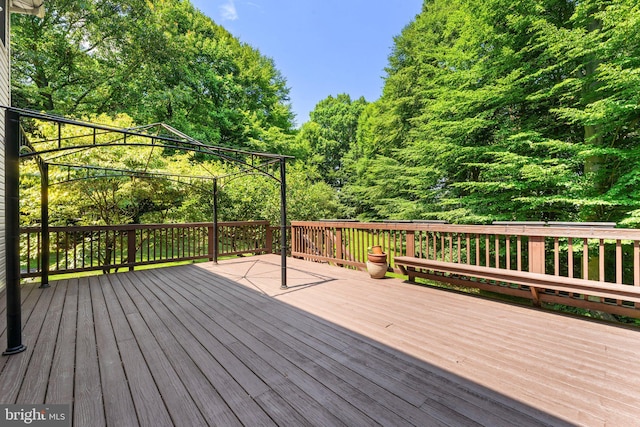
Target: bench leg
(536,297)
(410,276)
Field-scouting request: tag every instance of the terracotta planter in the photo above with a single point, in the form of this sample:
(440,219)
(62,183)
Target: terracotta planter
(376,250)
(377,258)
(376,270)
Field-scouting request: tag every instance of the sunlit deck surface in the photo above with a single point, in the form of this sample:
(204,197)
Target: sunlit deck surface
(223,345)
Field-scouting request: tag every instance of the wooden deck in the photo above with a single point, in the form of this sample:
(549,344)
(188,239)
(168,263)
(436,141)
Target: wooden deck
(222,345)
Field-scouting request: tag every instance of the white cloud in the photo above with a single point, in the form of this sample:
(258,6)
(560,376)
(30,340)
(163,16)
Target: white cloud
(228,11)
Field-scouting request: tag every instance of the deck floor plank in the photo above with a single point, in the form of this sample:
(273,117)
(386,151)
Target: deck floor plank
(147,330)
(265,346)
(251,360)
(14,370)
(362,389)
(185,352)
(222,344)
(34,387)
(88,408)
(150,407)
(379,373)
(348,301)
(118,402)
(558,391)
(61,381)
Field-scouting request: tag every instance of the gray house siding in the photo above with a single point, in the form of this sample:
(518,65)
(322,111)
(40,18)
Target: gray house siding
(5,99)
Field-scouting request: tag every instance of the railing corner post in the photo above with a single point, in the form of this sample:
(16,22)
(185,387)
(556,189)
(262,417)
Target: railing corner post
(131,247)
(269,237)
(211,241)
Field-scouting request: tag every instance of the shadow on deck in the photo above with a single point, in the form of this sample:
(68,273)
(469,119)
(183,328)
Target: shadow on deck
(223,345)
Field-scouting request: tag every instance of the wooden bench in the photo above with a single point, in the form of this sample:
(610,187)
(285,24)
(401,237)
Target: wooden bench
(536,282)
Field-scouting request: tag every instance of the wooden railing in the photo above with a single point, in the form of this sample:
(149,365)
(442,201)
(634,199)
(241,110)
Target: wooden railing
(107,248)
(582,252)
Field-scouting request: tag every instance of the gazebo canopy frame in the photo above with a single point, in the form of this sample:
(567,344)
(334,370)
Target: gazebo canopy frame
(44,150)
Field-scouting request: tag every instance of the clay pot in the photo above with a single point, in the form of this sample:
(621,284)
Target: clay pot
(376,250)
(376,270)
(377,258)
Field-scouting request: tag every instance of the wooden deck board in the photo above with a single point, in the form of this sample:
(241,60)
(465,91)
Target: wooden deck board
(262,345)
(14,370)
(375,375)
(118,402)
(147,399)
(222,344)
(423,334)
(88,405)
(365,386)
(61,380)
(332,376)
(149,330)
(38,371)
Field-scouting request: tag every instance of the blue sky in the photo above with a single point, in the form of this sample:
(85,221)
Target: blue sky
(322,47)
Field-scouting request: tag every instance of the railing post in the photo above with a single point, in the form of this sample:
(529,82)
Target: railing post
(294,246)
(210,241)
(131,247)
(338,242)
(410,243)
(536,254)
(536,262)
(269,237)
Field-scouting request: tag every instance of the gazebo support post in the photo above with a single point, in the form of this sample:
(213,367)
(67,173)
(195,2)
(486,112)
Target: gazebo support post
(12,236)
(215,221)
(44,219)
(283,224)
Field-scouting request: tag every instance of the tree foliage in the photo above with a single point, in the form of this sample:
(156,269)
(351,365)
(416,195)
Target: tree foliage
(160,61)
(491,109)
(139,62)
(330,135)
(505,110)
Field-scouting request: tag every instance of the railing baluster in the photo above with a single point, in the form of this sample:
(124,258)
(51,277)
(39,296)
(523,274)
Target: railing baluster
(556,256)
(468,248)
(636,266)
(585,258)
(487,251)
(601,260)
(619,265)
(570,258)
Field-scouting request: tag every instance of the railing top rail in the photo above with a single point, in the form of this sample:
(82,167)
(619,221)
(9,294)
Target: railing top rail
(589,232)
(145,226)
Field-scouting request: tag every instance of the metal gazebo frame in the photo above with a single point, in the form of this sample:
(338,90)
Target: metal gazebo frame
(18,147)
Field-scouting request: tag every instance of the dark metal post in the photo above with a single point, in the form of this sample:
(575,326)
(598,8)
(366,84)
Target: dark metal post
(283,225)
(12,236)
(44,220)
(215,221)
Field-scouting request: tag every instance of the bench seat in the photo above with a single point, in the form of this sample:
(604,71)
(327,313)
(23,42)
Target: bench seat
(535,281)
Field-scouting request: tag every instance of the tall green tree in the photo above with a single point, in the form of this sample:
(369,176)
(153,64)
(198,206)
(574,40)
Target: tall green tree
(330,134)
(515,110)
